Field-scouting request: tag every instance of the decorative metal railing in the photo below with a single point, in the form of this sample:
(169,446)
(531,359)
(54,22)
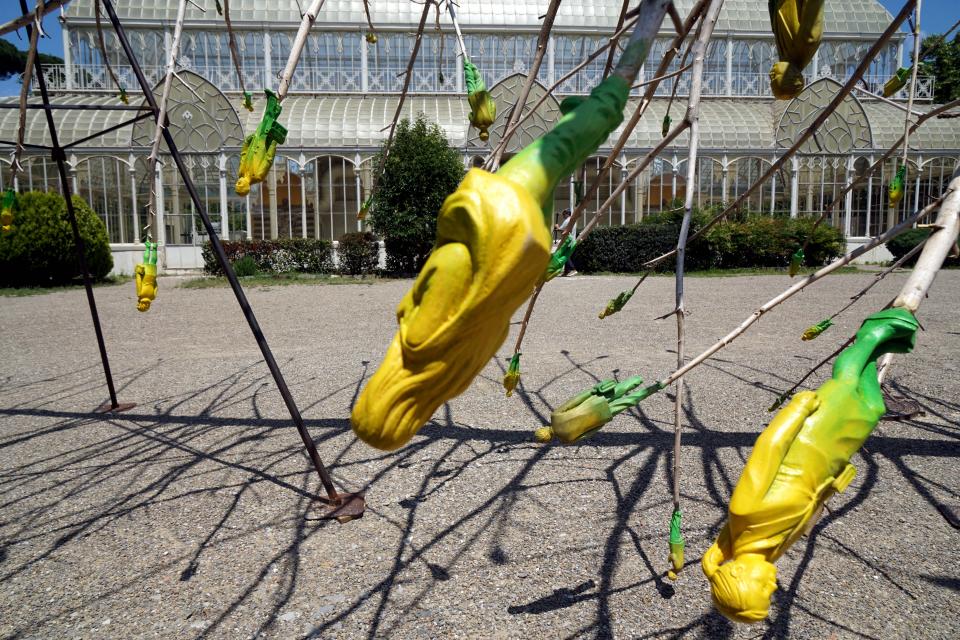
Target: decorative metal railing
(330,79)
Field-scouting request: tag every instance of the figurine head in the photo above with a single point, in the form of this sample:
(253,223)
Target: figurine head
(786,80)
(243,186)
(741,588)
(143,304)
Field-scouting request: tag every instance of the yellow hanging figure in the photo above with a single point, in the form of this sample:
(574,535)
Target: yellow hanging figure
(259,148)
(799,461)
(797,28)
(483,108)
(7,204)
(492,247)
(146,277)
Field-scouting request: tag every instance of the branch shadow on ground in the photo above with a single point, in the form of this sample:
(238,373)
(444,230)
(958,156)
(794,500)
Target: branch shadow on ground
(193,451)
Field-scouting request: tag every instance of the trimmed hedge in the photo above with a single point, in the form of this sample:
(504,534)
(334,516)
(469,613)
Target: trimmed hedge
(40,250)
(906,241)
(756,241)
(358,253)
(303,255)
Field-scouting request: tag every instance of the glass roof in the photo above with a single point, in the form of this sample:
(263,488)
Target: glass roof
(847,17)
(344,123)
(887,125)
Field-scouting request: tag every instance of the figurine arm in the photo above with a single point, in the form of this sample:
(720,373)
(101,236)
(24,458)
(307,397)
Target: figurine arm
(139,272)
(769,450)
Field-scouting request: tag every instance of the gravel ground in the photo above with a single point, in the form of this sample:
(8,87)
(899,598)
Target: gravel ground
(190,516)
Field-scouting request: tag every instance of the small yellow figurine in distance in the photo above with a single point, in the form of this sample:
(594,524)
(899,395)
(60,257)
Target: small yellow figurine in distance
(799,461)
(7,202)
(492,247)
(259,148)
(146,276)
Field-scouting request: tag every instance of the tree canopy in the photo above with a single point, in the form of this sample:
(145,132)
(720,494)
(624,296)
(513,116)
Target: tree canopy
(420,172)
(13,61)
(941,58)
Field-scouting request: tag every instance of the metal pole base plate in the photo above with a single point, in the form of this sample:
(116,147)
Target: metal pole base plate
(106,407)
(349,507)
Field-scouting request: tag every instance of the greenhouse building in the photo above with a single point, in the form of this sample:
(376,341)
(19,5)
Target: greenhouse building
(345,92)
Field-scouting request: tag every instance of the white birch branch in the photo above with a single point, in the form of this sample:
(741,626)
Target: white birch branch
(162,116)
(298,44)
(692,119)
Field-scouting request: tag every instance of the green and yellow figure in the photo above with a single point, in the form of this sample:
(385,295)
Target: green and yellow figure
(371,37)
(665,127)
(796,261)
(813,332)
(483,109)
(123,96)
(260,147)
(616,304)
(7,204)
(589,410)
(492,247)
(676,545)
(248,102)
(365,208)
(512,377)
(146,277)
(558,259)
(797,29)
(897,186)
(799,461)
(896,82)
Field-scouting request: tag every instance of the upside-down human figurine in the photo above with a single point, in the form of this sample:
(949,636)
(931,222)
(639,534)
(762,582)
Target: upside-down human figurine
(797,28)
(492,248)
(7,203)
(799,461)
(259,148)
(483,109)
(146,277)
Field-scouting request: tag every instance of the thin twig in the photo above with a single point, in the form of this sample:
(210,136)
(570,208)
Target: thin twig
(590,58)
(17,23)
(403,94)
(844,91)
(25,88)
(162,118)
(855,298)
(692,119)
(234,54)
(801,285)
(103,50)
(608,66)
(493,160)
(645,102)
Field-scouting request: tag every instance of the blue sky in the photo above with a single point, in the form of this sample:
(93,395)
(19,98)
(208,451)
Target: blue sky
(936,15)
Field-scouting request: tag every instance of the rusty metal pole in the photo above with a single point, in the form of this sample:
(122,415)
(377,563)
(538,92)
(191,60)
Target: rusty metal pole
(61,159)
(343,506)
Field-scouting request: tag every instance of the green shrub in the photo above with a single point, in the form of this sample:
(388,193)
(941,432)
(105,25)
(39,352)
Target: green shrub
(302,255)
(40,249)
(245,266)
(358,253)
(906,241)
(419,173)
(625,249)
(752,242)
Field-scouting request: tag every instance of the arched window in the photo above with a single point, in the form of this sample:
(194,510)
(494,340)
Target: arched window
(656,189)
(709,189)
(742,173)
(104,183)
